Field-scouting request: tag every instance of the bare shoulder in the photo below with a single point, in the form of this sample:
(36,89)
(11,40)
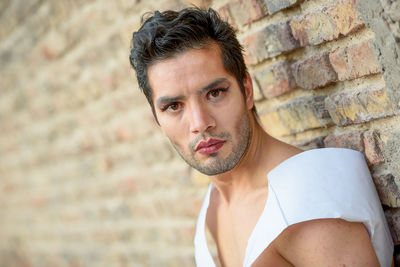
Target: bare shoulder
(324,242)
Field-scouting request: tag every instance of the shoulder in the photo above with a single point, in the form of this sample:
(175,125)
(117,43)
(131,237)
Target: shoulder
(321,182)
(315,160)
(318,188)
(313,169)
(326,242)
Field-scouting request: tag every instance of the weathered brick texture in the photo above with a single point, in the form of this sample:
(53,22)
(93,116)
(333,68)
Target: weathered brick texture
(275,80)
(352,140)
(393,217)
(373,147)
(269,42)
(359,106)
(327,24)
(314,72)
(296,116)
(258,94)
(354,61)
(277,5)
(314,143)
(388,189)
(369,142)
(225,14)
(245,11)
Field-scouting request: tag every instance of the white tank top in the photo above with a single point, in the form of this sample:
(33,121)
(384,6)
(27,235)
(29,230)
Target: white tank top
(315,184)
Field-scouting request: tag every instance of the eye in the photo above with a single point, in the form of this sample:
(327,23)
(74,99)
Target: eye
(216,93)
(172,107)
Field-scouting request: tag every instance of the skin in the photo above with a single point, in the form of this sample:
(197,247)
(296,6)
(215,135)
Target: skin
(191,106)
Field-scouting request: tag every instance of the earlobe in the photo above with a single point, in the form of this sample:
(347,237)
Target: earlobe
(248,88)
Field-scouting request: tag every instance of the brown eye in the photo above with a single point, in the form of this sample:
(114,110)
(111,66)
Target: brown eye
(172,107)
(215,93)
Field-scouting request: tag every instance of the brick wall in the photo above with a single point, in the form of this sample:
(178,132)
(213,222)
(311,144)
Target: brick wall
(86,177)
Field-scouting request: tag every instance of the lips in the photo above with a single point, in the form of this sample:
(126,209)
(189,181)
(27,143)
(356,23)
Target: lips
(210,146)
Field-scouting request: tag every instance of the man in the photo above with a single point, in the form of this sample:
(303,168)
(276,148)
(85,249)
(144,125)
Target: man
(269,203)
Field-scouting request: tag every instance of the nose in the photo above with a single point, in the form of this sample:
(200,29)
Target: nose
(201,119)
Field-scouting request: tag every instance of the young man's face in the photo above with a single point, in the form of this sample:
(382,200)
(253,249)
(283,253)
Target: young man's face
(201,109)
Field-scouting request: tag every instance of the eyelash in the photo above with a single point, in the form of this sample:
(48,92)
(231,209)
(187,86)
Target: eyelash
(218,90)
(164,108)
(168,105)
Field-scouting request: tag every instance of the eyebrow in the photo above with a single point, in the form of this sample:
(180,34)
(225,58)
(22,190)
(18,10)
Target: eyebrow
(166,99)
(212,85)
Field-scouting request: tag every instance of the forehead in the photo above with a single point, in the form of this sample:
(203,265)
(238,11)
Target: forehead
(190,70)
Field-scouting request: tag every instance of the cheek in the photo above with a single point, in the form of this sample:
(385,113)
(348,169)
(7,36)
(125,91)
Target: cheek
(173,131)
(229,117)
(173,127)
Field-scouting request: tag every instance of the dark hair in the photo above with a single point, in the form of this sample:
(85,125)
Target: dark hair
(166,34)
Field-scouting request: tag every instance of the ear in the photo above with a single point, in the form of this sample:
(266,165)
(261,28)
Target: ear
(248,89)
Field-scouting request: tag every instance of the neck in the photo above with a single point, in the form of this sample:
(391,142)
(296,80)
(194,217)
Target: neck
(250,173)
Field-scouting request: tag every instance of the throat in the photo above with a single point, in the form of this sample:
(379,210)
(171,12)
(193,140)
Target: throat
(229,229)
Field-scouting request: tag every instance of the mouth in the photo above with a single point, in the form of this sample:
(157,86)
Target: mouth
(210,146)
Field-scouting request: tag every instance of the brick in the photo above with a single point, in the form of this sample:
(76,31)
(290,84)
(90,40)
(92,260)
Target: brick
(354,61)
(313,72)
(273,124)
(296,116)
(257,93)
(161,152)
(327,24)
(269,42)
(275,80)
(373,147)
(388,190)
(175,235)
(393,219)
(352,140)
(359,106)
(312,144)
(390,138)
(247,11)
(204,4)
(225,14)
(15,14)
(168,204)
(274,6)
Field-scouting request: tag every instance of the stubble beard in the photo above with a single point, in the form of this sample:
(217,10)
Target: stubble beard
(221,165)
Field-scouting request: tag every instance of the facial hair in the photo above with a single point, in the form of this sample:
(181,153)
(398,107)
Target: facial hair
(220,165)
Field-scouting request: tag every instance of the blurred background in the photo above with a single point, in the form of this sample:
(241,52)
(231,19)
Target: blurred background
(86,177)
